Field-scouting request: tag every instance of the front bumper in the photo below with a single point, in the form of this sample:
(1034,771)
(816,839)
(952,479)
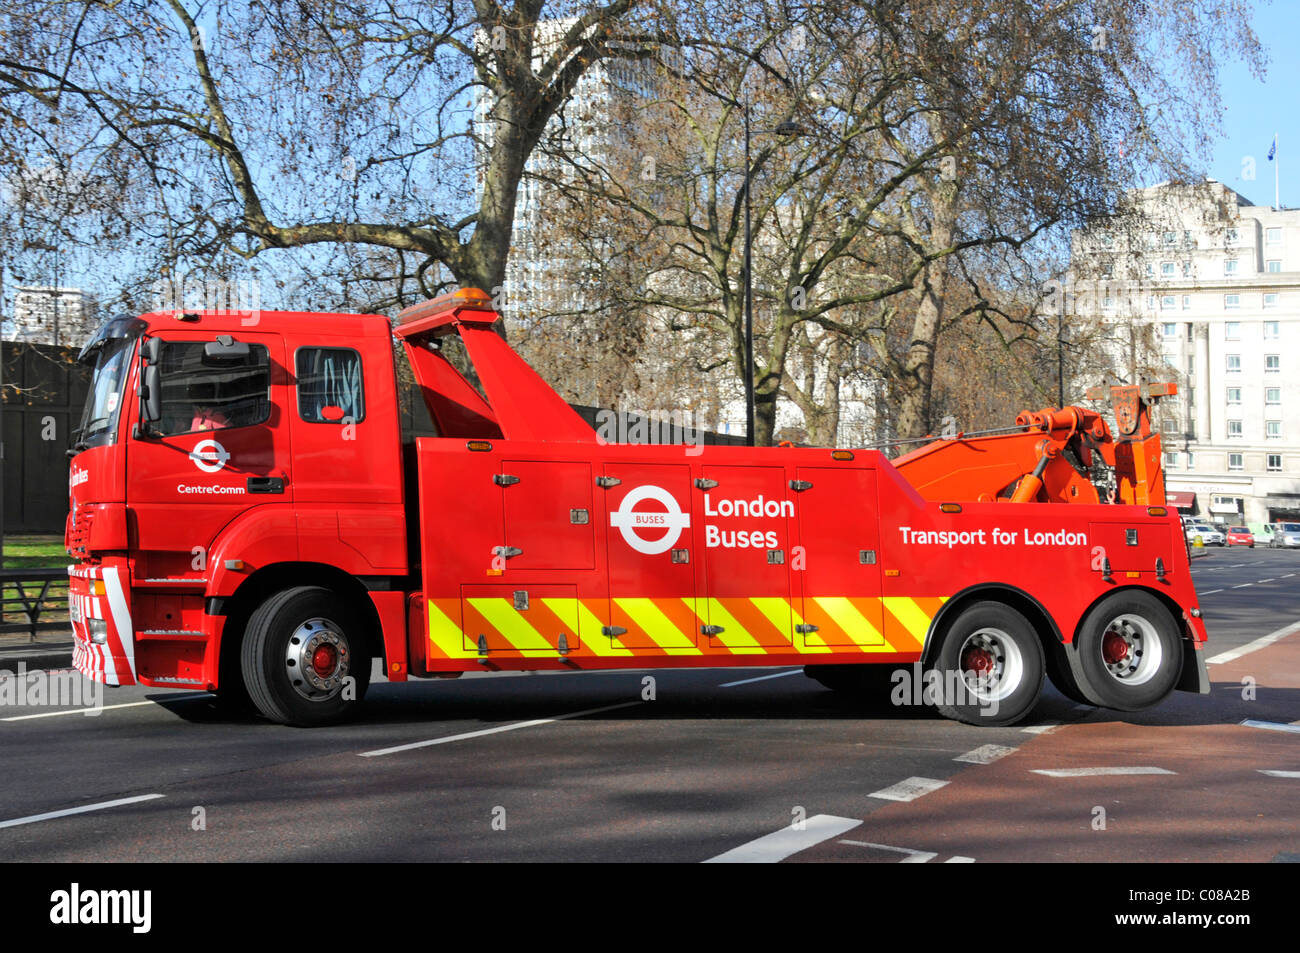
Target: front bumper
(103,642)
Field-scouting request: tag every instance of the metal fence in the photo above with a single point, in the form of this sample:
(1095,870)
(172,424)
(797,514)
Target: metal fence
(33,600)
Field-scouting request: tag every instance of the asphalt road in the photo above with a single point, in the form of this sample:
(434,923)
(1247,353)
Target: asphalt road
(737,764)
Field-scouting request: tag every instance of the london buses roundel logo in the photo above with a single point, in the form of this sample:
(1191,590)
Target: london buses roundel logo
(632,522)
(209,456)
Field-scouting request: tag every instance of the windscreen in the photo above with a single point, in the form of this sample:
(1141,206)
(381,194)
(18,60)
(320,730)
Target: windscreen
(104,399)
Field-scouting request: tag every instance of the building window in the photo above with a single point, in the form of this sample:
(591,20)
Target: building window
(1191,364)
(1273,267)
(1273,236)
(1275,463)
(1168,302)
(1191,460)
(1272,395)
(1170,237)
(1270,300)
(1187,304)
(1187,237)
(1187,269)
(1230,266)
(1170,329)
(1273,429)
(1232,329)
(1171,460)
(1108,303)
(1272,363)
(1234,395)
(1170,358)
(1234,362)
(1151,270)
(1232,236)
(1232,302)
(1234,428)
(1166,269)
(1235,461)
(1107,270)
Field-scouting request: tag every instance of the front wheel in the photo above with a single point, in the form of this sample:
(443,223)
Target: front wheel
(990,666)
(1130,651)
(304,658)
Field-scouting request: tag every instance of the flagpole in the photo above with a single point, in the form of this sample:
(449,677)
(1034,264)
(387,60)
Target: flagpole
(1277,162)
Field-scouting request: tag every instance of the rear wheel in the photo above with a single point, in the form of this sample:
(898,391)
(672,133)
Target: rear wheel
(990,666)
(1130,651)
(304,658)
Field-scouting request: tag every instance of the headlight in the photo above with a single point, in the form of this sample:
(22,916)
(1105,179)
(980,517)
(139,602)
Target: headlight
(98,630)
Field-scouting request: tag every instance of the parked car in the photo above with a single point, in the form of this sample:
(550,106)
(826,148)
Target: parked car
(1263,533)
(1241,536)
(1208,534)
(1286,536)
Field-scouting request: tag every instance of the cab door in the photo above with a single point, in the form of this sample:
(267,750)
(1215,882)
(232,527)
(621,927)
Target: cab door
(219,448)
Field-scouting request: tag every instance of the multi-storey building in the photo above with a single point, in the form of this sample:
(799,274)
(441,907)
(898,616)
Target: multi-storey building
(51,315)
(1215,281)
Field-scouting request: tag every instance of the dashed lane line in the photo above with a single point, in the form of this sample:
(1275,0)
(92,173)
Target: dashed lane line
(781,844)
(1097,772)
(1046,728)
(984,754)
(911,856)
(1280,774)
(1255,646)
(1271,725)
(909,789)
(84,809)
(762,678)
(493,731)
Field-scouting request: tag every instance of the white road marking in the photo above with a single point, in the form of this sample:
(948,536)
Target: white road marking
(1254,646)
(180,696)
(1244,585)
(908,790)
(984,754)
(1044,729)
(959,859)
(1280,774)
(1271,725)
(1095,772)
(781,844)
(762,678)
(492,731)
(913,856)
(1288,575)
(1262,581)
(1210,593)
(84,809)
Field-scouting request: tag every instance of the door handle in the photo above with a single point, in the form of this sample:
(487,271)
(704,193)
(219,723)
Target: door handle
(265,484)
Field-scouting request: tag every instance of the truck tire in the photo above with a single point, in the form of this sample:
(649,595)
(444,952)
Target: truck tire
(304,658)
(990,666)
(1130,651)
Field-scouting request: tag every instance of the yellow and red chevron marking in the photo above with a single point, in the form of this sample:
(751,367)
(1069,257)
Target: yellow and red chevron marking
(670,628)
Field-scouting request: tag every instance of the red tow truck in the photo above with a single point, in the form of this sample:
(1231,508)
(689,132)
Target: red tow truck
(248,518)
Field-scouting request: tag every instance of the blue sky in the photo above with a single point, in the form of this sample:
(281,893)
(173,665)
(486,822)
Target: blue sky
(1254,110)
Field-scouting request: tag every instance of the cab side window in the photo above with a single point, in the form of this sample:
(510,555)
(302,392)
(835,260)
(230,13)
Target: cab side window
(200,393)
(330,377)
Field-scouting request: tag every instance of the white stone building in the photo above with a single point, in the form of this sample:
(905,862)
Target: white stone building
(1217,281)
(54,315)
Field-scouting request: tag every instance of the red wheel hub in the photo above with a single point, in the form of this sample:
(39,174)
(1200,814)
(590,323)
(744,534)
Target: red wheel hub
(1113,648)
(979,661)
(324,660)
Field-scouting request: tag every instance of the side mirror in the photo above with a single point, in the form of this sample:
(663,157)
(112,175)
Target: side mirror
(151,394)
(225,350)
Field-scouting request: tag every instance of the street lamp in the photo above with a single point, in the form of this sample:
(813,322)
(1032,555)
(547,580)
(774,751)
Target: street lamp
(786,129)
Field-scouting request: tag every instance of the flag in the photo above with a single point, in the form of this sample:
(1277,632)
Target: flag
(1272,150)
